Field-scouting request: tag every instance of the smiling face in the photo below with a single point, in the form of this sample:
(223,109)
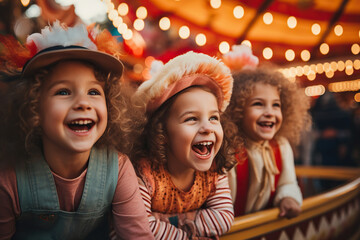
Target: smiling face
(73,113)
(194,132)
(262,113)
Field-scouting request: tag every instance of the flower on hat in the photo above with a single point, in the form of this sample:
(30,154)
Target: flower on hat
(240,57)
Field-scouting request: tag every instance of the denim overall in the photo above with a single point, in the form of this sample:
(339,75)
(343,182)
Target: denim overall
(41,217)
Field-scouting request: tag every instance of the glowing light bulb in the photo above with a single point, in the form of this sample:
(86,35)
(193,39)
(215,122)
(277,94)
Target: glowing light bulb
(324,48)
(357,97)
(268,18)
(184,32)
(292,22)
(247,43)
(123,9)
(141,12)
(25,2)
(305,55)
(357,64)
(224,47)
(338,30)
(311,76)
(139,24)
(215,3)
(315,90)
(267,53)
(290,55)
(200,39)
(315,29)
(238,12)
(355,49)
(117,21)
(329,74)
(112,15)
(128,34)
(122,28)
(164,23)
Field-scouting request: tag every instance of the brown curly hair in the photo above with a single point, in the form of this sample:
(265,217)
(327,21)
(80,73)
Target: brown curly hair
(151,141)
(294,103)
(20,106)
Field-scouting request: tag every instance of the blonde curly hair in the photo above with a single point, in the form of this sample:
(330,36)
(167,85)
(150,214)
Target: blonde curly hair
(294,103)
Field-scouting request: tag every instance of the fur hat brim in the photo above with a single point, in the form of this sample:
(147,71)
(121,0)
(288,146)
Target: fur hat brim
(184,71)
(51,55)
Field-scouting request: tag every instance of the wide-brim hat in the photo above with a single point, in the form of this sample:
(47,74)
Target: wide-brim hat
(48,56)
(58,42)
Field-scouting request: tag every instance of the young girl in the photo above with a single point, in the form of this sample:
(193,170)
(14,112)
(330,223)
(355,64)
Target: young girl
(182,152)
(269,111)
(66,113)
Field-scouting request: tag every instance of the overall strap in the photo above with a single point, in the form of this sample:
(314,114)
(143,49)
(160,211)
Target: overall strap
(37,190)
(41,217)
(242,179)
(36,186)
(101,179)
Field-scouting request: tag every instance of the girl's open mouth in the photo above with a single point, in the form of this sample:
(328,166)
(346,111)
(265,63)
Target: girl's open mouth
(267,124)
(203,149)
(81,126)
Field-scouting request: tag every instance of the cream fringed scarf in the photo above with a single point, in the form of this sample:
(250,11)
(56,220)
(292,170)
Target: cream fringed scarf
(263,170)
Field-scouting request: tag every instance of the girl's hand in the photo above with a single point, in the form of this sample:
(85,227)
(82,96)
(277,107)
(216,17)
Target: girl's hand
(289,208)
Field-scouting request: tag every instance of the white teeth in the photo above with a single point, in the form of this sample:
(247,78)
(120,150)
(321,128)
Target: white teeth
(81,122)
(205,143)
(81,131)
(269,124)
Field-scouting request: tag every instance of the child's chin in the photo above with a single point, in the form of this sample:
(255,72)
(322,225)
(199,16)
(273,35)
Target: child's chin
(203,167)
(266,136)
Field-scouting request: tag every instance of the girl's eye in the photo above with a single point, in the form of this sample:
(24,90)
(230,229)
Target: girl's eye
(214,118)
(277,105)
(190,119)
(94,92)
(63,92)
(256,104)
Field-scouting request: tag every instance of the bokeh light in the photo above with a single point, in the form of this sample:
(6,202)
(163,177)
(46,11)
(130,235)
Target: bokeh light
(305,55)
(315,29)
(291,22)
(224,47)
(268,18)
(123,9)
(164,23)
(184,32)
(267,53)
(238,12)
(200,39)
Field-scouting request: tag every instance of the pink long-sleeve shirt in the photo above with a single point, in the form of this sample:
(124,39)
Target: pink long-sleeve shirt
(128,210)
